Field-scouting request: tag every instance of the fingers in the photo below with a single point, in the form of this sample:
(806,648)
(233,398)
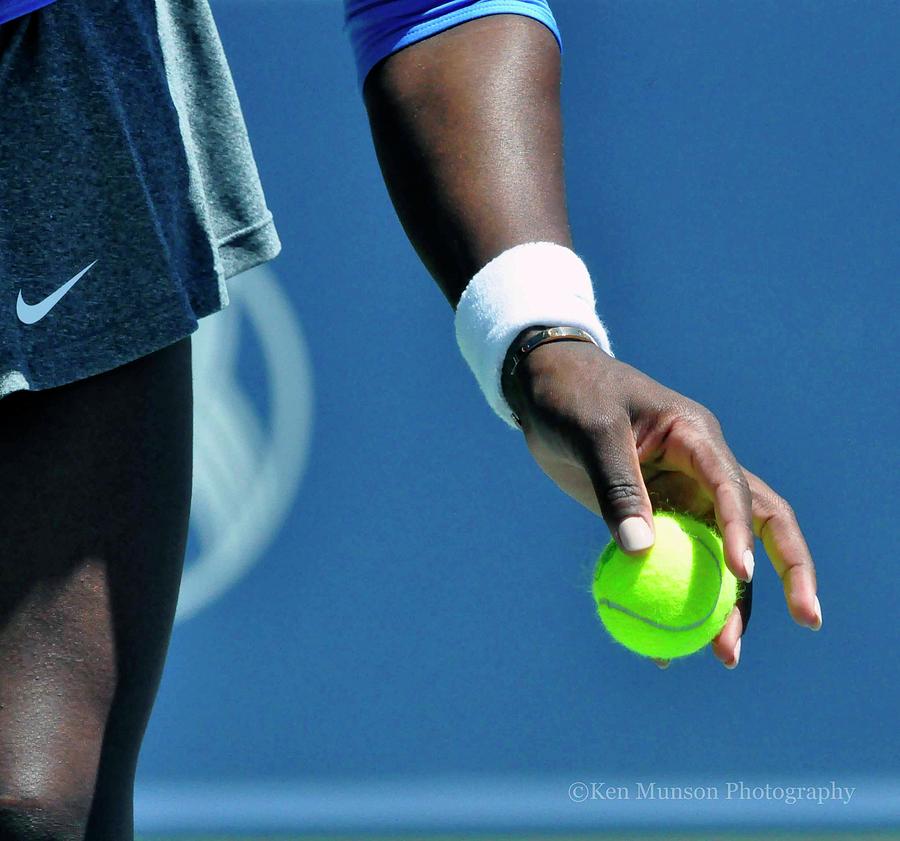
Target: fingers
(745,507)
(727,645)
(776,524)
(695,446)
(611,460)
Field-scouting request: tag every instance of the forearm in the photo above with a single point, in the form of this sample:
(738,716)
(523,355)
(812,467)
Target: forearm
(467,130)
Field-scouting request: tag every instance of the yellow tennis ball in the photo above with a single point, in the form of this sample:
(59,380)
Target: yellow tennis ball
(674,599)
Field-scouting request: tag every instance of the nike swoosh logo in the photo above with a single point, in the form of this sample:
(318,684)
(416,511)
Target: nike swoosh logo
(31,313)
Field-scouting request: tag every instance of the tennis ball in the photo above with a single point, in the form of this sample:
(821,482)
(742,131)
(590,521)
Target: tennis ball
(674,599)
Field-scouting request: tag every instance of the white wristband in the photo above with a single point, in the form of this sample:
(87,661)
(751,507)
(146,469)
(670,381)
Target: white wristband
(532,283)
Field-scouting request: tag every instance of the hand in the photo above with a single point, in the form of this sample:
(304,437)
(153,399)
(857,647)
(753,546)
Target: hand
(623,445)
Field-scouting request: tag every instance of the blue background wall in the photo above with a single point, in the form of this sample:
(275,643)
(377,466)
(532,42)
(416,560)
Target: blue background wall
(423,611)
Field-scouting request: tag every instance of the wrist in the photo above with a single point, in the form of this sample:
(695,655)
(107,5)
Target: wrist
(510,383)
(525,365)
(520,290)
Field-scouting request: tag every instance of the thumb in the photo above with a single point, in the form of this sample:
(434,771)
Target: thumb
(615,471)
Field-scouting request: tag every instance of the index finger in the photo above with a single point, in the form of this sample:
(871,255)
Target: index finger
(698,449)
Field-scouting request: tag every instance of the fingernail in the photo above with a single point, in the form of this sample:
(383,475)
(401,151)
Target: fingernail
(817,625)
(737,656)
(748,564)
(663,664)
(635,534)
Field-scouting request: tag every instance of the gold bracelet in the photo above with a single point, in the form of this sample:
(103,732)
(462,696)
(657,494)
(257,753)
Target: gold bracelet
(551,334)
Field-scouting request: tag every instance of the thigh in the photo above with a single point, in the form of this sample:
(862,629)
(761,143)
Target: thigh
(95,481)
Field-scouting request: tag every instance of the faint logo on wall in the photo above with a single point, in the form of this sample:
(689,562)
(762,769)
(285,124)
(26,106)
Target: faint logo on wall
(253,406)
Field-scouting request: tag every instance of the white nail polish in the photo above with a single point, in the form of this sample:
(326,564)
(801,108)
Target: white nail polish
(737,656)
(818,625)
(748,563)
(635,534)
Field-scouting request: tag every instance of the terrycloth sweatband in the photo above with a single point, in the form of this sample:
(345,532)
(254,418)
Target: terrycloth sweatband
(529,284)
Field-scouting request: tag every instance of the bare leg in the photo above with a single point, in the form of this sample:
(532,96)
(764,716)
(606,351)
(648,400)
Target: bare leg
(95,480)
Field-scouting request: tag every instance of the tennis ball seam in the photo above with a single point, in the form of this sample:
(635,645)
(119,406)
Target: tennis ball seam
(603,602)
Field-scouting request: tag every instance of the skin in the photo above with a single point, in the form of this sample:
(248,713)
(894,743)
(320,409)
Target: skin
(468,133)
(96,481)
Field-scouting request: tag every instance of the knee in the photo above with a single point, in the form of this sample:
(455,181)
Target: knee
(42,818)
